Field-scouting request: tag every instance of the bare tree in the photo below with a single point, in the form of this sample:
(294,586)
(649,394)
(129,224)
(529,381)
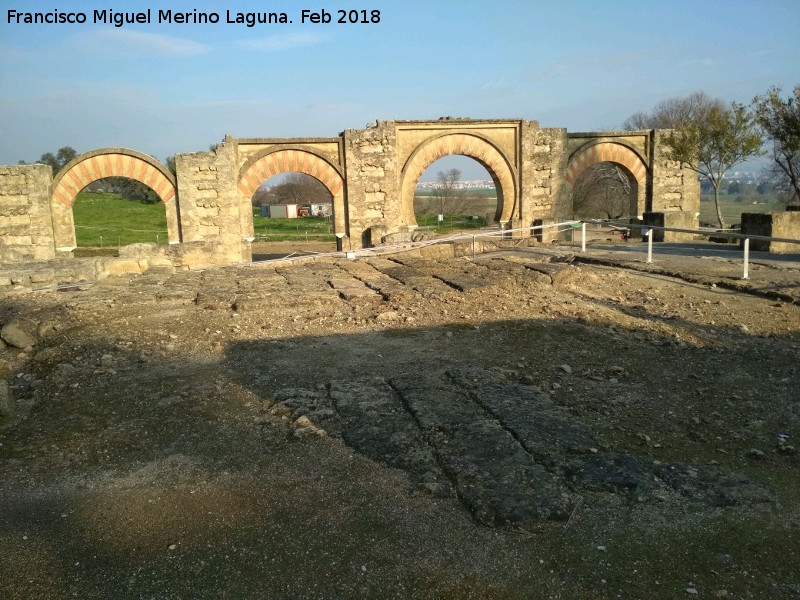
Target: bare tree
(448,193)
(708,136)
(603,189)
(780,121)
(296,188)
(674,113)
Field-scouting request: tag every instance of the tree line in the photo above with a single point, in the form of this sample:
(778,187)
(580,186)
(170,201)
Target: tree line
(711,136)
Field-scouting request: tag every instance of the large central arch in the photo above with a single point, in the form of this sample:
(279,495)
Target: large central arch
(109,162)
(468,144)
(274,161)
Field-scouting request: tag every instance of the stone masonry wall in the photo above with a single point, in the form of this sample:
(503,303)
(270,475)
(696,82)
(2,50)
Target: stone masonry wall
(209,203)
(373,187)
(543,164)
(674,186)
(26,227)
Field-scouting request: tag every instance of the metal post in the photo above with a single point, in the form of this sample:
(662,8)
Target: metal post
(583,237)
(649,245)
(746,274)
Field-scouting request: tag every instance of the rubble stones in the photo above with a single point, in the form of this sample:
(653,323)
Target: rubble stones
(17,335)
(6,400)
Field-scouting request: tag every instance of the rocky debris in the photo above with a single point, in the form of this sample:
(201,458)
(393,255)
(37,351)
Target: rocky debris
(18,334)
(712,486)
(783,445)
(6,400)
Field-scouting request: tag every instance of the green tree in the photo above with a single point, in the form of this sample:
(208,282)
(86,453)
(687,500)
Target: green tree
(59,159)
(780,121)
(714,141)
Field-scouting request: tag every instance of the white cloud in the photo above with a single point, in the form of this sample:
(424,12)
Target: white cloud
(286,41)
(150,43)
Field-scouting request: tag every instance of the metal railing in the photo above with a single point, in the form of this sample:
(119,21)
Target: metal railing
(647,231)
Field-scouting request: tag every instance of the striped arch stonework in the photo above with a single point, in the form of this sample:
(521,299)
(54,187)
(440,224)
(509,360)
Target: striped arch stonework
(606,152)
(467,145)
(283,161)
(111,164)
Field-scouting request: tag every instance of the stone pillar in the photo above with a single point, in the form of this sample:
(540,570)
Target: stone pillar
(373,188)
(210,204)
(26,223)
(673,186)
(544,195)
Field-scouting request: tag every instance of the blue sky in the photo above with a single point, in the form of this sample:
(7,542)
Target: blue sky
(167,88)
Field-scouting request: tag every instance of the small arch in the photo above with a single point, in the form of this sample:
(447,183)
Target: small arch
(110,162)
(600,151)
(470,144)
(283,159)
(274,161)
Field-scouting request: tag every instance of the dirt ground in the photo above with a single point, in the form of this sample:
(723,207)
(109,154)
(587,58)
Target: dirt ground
(533,424)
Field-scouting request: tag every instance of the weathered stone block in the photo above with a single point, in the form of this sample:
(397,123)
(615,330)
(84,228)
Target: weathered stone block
(18,334)
(121,267)
(674,219)
(779,224)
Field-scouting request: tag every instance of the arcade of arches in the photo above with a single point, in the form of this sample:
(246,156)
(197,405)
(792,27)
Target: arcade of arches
(371,174)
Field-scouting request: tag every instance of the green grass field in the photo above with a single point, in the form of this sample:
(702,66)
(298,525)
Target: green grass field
(111,220)
(450,223)
(280,230)
(732,210)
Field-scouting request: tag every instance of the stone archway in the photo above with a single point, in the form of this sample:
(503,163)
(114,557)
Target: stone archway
(274,161)
(467,144)
(588,155)
(110,162)
(599,152)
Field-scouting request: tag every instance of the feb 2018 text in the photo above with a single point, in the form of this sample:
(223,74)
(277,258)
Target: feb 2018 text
(249,19)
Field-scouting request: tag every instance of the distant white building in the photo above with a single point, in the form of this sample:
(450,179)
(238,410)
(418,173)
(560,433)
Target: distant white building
(321,210)
(460,185)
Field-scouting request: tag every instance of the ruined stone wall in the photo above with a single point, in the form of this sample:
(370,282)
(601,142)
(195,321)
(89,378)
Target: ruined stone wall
(544,159)
(673,185)
(210,207)
(375,199)
(26,227)
(778,224)
(373,183)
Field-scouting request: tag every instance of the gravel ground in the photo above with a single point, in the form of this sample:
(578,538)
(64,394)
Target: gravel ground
(536,424)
